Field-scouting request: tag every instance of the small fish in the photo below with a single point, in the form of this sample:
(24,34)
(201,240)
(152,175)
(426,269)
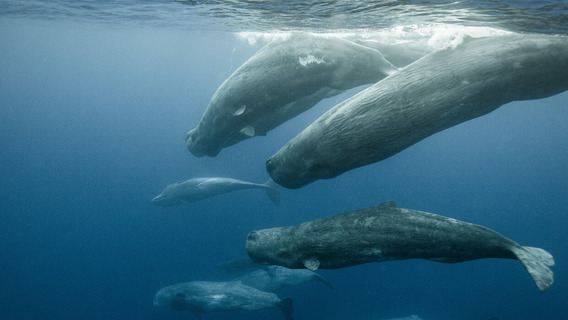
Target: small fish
(196,189)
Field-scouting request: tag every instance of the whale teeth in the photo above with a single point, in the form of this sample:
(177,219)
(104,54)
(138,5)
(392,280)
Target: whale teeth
(240,110)
(248,131)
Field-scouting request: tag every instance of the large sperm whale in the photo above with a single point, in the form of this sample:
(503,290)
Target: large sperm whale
(438,91)
(388,232)
(283,79)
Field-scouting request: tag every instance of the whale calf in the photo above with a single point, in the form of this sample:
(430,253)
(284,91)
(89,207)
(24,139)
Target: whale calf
(280,81)
(440,90)
(388,232)
(200,188)
(274,278)
(236,265)
(205,296)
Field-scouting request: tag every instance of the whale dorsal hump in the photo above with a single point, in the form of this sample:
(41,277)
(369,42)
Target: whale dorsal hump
(248,131)
(311,264)
(388,204)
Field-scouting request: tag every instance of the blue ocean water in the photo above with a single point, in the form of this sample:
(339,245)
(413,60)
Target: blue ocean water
(95,100)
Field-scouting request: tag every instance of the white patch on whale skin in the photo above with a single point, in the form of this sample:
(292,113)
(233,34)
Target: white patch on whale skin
(240,110)
(304,61)
(374,252)
(248,131)
(311,264)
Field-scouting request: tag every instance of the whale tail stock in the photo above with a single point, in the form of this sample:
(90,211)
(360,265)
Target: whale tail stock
(272,191)
(287,307)
(537,262)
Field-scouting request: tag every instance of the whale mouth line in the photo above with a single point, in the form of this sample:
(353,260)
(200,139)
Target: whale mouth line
(201,150)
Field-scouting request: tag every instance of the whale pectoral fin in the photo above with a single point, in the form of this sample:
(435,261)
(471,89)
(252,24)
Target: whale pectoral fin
(248,131)
(311,264)
(240,110)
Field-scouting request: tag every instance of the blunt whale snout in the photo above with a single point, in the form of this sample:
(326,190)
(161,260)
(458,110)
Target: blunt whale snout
(288,176)
(197,145)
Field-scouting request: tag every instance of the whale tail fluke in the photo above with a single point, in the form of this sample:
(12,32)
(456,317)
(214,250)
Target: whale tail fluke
(273,191)
(537,262)
(287,308)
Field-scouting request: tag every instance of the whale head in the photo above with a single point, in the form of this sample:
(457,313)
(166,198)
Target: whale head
(172,296)
(270,247)
(172,195)
(200,144)
(179,296)
(293,172)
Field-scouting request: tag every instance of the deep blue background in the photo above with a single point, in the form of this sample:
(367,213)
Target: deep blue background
(92,121)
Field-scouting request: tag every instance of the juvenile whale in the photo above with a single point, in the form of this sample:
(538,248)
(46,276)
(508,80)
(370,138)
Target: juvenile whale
(200,188)
(274,278)
(204,296)
(438,91)
(236,265)
(388,232)
(283,79)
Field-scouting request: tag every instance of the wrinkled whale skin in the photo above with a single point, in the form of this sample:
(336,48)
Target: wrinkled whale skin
(388,232)
(207,296)
(283,79)
(438,91)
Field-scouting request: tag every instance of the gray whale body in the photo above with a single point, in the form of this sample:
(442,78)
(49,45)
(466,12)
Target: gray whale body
(438,91)
(274,278)
(282,80)
(197,189)
(388,232)
(206,296)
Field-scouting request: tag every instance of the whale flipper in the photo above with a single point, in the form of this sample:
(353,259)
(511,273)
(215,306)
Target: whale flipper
(240,110)
(272,191)
(248,131)
(537,262)
(287,308)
